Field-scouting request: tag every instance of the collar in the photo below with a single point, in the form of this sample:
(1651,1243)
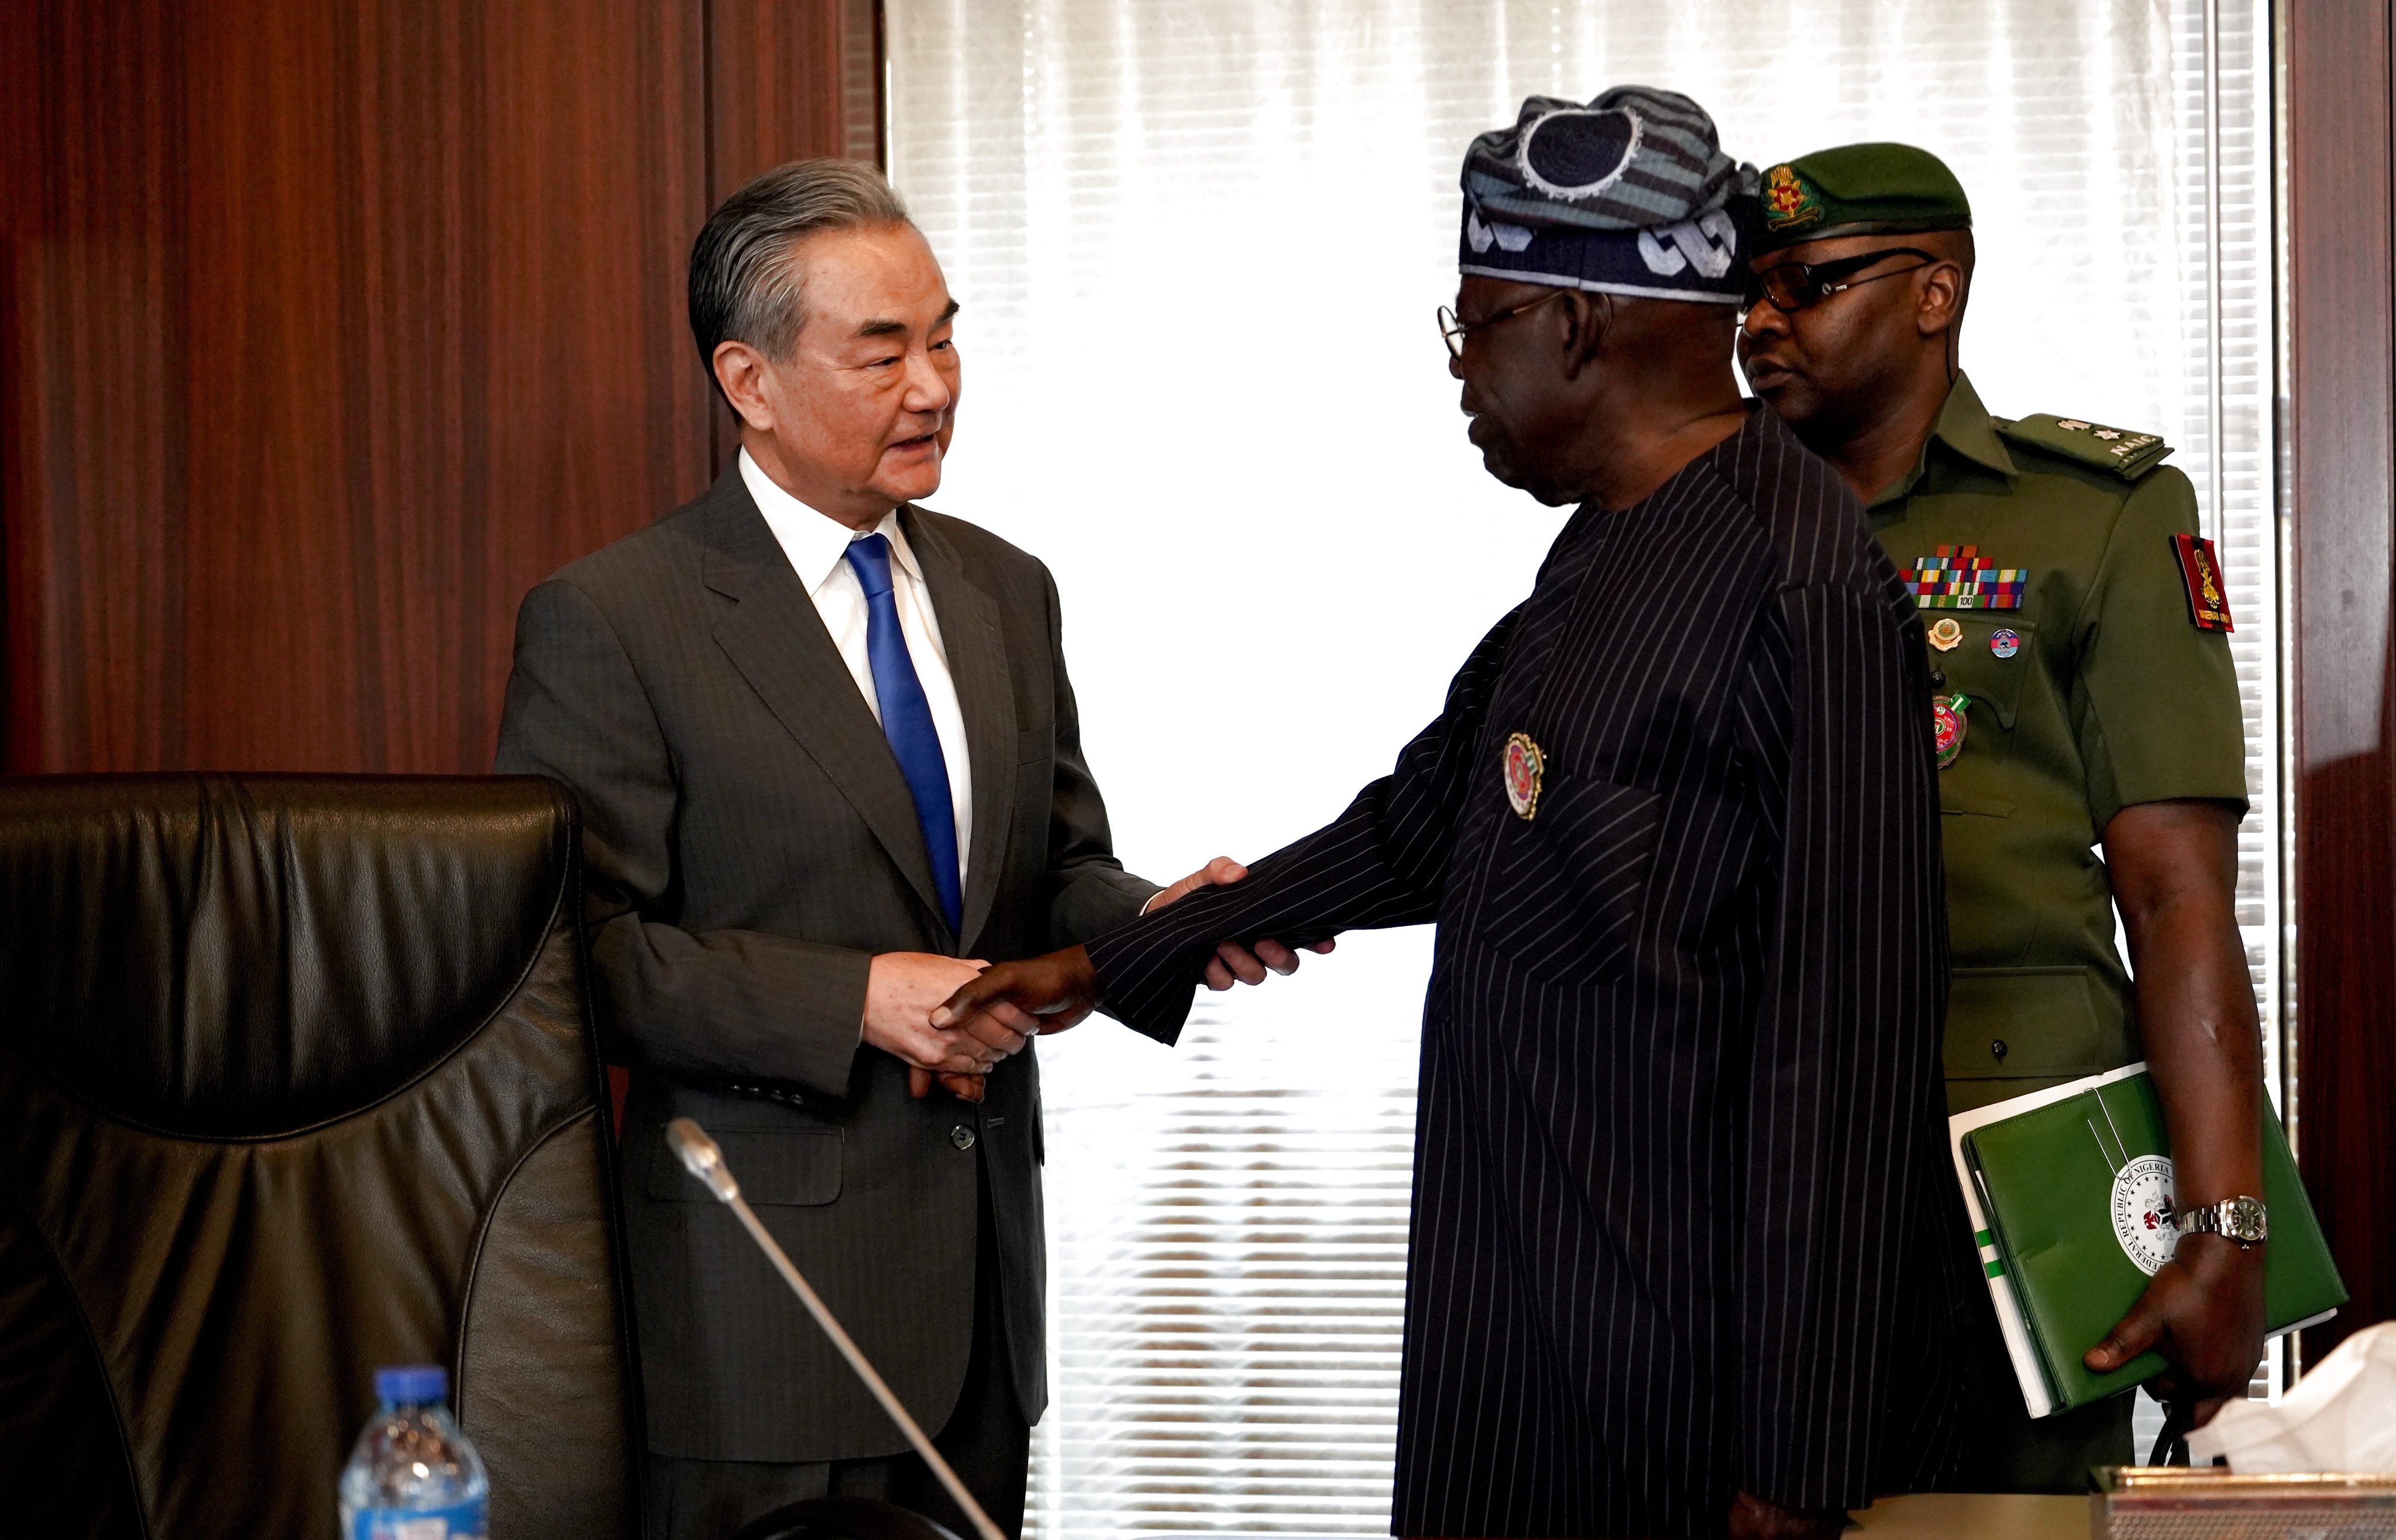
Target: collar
(1964,426)
(815,542)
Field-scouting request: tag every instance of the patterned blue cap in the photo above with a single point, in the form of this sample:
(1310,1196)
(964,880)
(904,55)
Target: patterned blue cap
(1630,193)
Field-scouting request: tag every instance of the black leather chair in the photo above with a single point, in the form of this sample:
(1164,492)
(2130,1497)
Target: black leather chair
(297,1078)
(844,1519)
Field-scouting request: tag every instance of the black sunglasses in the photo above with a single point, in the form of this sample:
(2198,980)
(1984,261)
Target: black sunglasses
(1793,286)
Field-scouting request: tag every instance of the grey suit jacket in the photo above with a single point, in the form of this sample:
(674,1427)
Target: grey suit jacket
(749,846)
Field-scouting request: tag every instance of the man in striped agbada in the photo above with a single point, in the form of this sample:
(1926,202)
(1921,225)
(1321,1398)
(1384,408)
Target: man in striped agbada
(1680,1180)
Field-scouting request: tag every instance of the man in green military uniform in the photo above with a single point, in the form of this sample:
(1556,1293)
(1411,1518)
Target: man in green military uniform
(2085,697)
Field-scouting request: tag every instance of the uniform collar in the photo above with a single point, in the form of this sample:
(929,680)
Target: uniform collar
(815,542)
(1964,426)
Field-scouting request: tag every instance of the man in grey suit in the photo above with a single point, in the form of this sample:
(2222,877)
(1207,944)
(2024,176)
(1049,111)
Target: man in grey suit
(828,760)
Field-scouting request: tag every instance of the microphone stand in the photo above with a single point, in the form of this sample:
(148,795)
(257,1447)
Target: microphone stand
(701,1155)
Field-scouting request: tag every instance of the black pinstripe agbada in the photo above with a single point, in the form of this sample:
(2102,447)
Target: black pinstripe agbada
(1684,1223)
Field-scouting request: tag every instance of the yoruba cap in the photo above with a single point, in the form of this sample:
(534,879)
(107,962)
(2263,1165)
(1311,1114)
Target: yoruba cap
(1628,193)
(1860,190)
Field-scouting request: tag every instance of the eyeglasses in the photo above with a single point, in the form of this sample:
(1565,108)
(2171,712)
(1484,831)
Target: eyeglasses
(1453,331)
(1792,286)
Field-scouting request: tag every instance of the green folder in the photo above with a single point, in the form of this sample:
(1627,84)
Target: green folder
(2074,1192)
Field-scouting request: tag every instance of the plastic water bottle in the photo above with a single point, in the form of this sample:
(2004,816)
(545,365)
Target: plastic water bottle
(413,1476)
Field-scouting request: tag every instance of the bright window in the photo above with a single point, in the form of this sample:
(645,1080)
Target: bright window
(1199,243)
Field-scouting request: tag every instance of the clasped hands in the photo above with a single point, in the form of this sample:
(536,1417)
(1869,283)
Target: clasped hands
(954,1019)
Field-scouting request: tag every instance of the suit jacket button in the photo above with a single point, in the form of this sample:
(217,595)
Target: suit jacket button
(1997,1049)
(962,1137)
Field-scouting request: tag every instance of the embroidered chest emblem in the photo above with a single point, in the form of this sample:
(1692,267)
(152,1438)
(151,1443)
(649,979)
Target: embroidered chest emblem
(1959,577)
(1522,764)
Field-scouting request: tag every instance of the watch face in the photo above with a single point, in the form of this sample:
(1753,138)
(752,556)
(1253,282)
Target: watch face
(2245,1220)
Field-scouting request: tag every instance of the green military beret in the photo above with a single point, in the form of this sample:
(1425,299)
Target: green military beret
(1860,190)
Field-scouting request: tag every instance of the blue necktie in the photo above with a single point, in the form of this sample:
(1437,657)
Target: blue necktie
(907,722)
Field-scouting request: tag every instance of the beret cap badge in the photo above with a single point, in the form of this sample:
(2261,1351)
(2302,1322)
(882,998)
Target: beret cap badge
(1788,202)
(1878,189)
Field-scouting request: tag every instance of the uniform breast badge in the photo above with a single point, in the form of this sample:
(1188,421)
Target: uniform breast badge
(2208,607)
(1959,577)
(1946,636)
(1949,725)
(1522,764)
(2005,642)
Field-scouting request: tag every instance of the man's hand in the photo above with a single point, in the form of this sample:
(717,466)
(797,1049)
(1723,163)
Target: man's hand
(900,992)
(1052,992)
(2174,867)
(1233,962)
(1752,1517)
(2204,1311)
(1047,994)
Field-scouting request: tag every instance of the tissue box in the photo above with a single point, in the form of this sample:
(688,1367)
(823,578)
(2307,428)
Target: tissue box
(2157,1503)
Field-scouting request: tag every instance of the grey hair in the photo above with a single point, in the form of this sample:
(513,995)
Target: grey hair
(744,275)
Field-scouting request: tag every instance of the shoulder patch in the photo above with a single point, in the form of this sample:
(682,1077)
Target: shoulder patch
(2208,609)
(2122,451)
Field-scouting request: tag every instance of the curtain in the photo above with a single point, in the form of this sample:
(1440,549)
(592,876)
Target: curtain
(1198,245)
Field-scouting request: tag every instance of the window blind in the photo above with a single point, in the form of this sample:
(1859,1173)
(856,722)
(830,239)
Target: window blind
(1198,245)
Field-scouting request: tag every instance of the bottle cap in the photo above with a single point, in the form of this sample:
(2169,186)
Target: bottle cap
(412,1382)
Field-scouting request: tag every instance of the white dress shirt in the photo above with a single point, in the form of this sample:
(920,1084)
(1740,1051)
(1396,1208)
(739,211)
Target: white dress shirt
(816,545)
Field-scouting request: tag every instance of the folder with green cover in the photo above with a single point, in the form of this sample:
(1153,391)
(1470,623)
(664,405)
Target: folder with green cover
(2071,1195)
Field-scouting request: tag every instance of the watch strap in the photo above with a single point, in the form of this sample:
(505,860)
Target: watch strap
(2240,1219)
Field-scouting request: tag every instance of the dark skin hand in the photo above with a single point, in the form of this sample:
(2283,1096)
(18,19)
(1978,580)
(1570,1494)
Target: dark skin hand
(2175,869)
(1753,1518)
(1232,963)
(1060,989)
(1861,376)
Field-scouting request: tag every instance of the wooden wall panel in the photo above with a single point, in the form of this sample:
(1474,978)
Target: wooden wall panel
(327,330)
(791,79)
(2342,427)
(788,80)
(343,324)
(89,376)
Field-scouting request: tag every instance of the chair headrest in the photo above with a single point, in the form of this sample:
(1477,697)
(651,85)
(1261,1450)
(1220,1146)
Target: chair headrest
(245,956)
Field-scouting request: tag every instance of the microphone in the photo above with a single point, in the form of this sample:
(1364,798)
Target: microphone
(704,1159)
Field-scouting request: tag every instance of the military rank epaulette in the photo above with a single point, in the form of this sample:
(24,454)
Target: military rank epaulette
(2120,450)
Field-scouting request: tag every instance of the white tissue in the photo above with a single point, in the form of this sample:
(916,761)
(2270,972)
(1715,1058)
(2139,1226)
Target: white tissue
(2340,1417)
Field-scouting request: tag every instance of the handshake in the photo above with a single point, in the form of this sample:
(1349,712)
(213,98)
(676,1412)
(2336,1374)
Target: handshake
(954,1019)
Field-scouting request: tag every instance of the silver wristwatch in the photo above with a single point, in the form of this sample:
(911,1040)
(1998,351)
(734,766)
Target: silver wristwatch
(2239,1219)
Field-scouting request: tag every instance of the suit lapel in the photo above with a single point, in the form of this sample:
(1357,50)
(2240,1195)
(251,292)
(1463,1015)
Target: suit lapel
(778,642)
(976,649)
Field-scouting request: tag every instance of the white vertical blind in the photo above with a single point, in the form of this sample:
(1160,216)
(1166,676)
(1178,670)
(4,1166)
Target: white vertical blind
(1198,243)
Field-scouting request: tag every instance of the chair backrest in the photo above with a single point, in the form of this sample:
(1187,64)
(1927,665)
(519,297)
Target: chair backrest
(844,1519)
(297,1078)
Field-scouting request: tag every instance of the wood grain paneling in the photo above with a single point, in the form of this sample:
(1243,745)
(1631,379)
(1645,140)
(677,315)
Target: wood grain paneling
(788,80)
(90,377)
(2342,428)
(327,330)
